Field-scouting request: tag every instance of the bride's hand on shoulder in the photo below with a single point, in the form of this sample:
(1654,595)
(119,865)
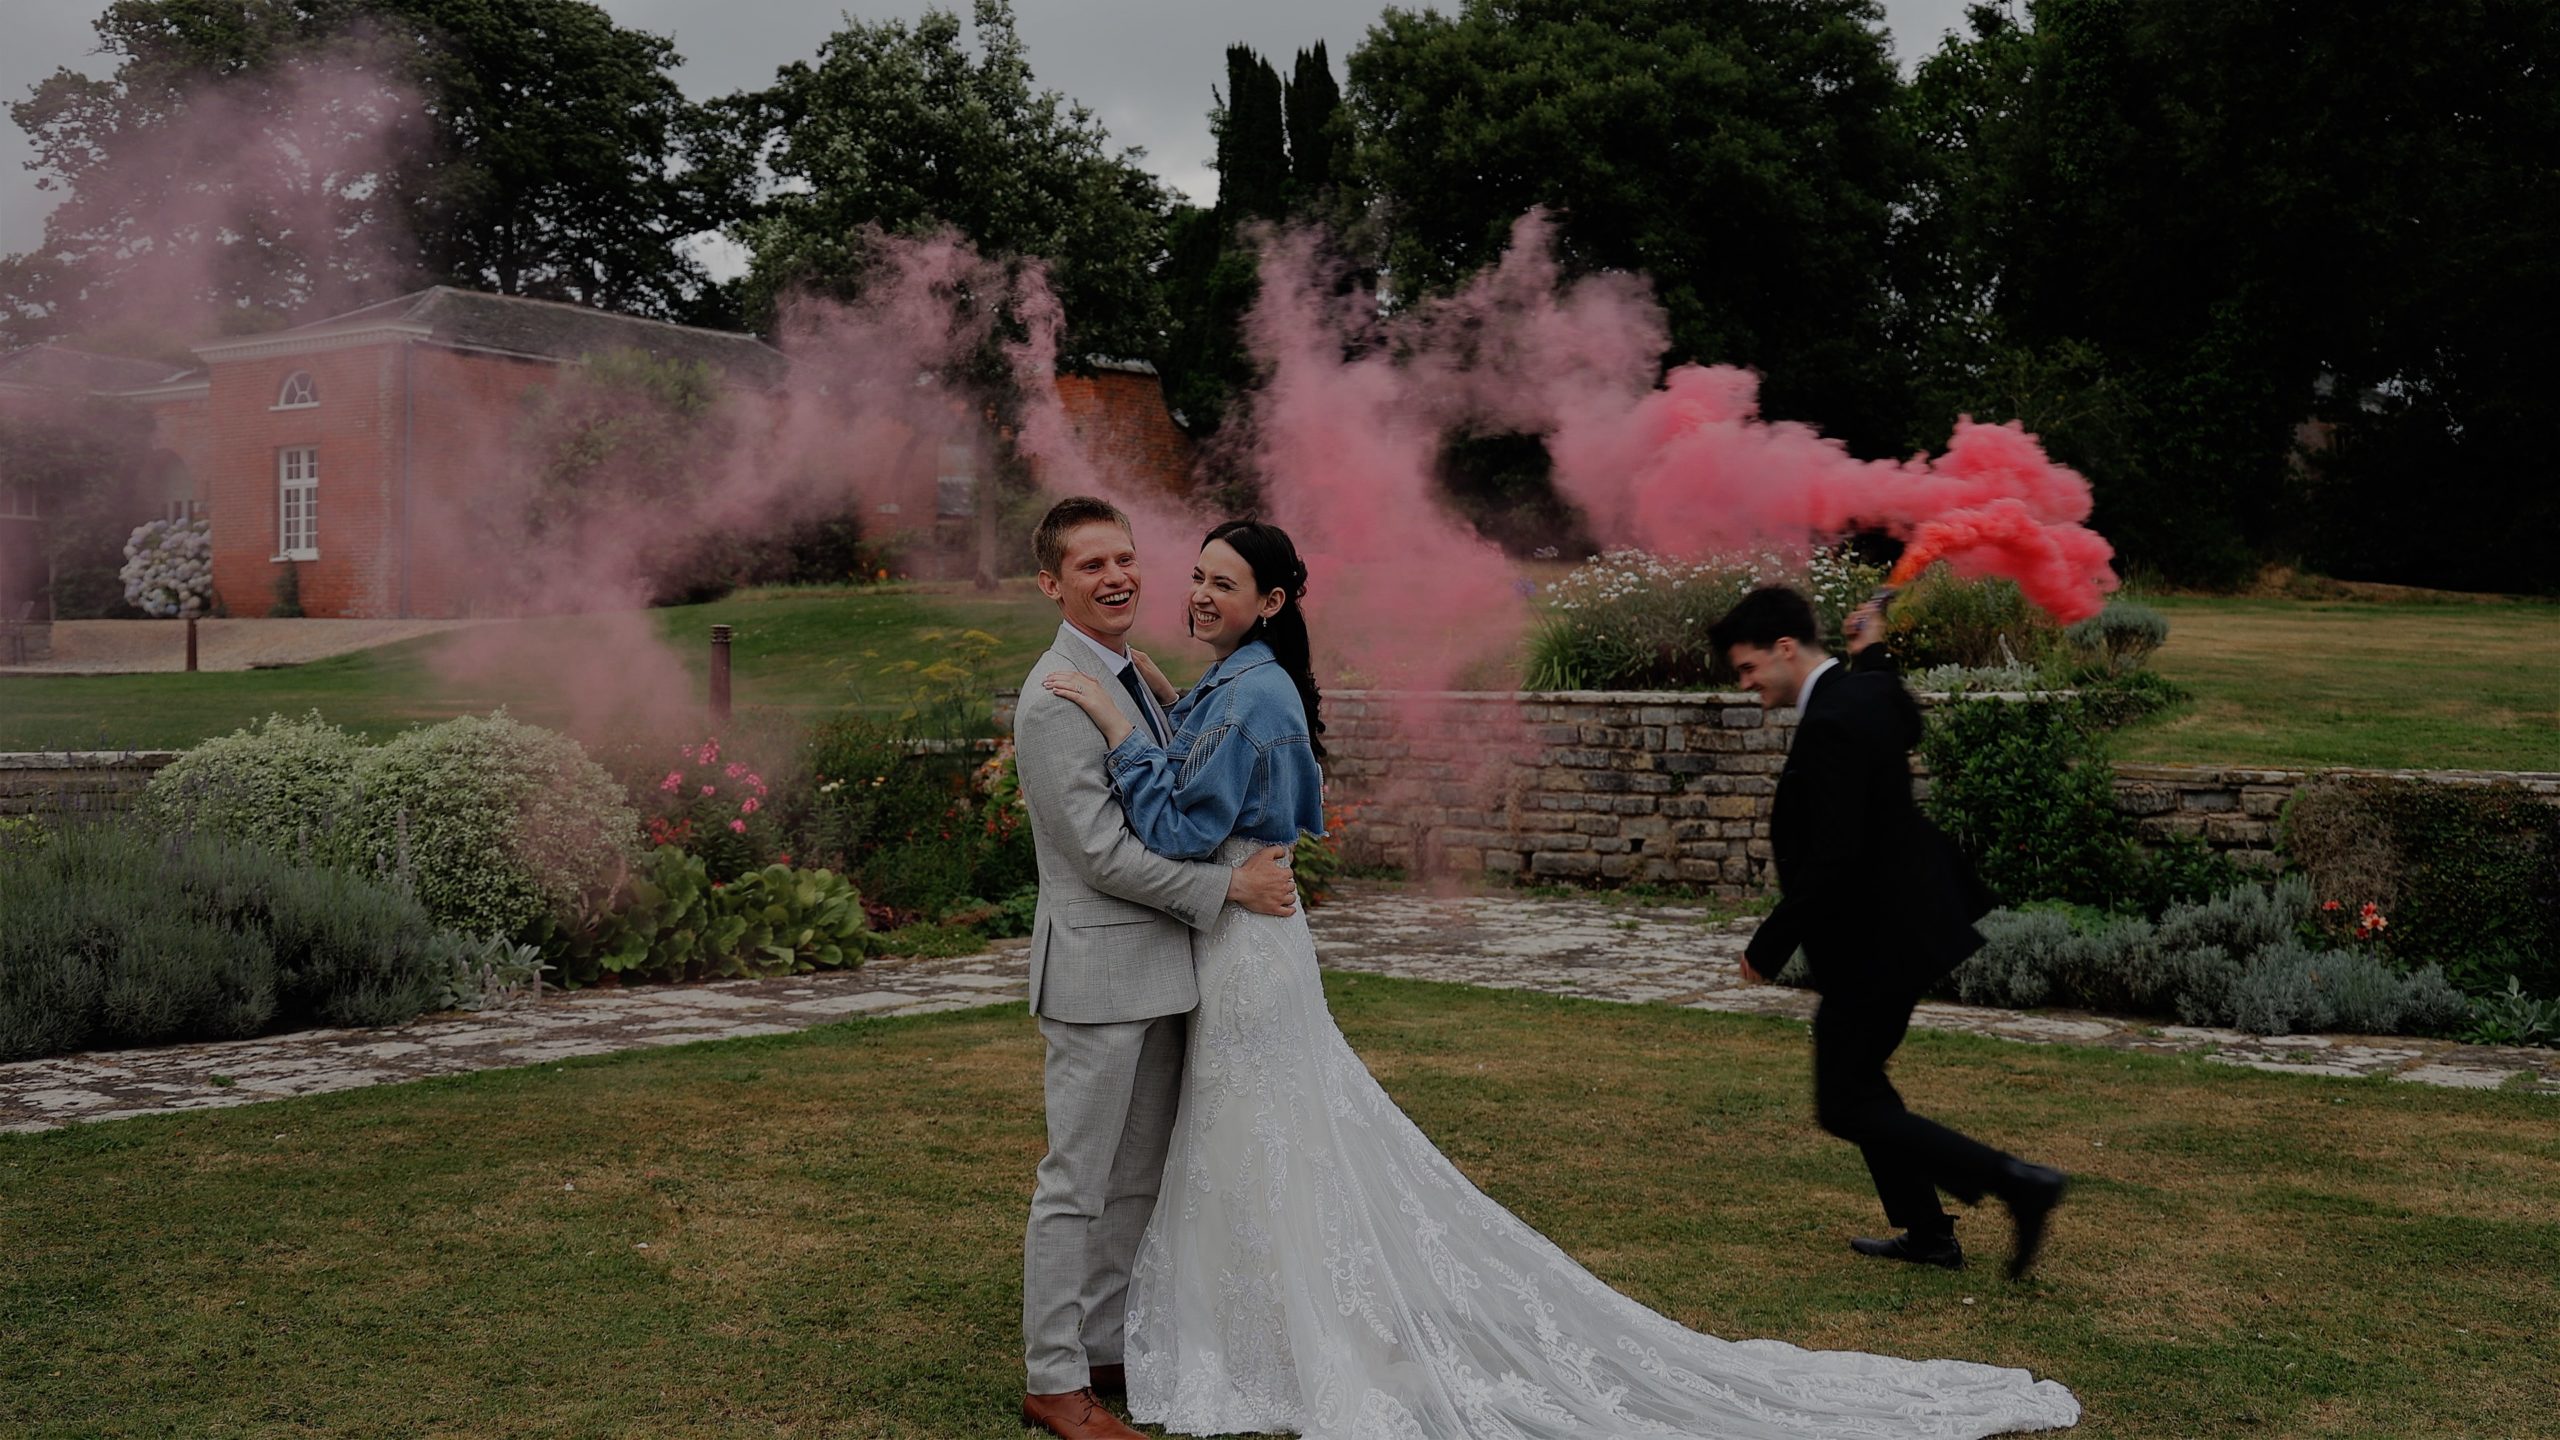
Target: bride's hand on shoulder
(1080,689)
(1087,694)
(1157,685)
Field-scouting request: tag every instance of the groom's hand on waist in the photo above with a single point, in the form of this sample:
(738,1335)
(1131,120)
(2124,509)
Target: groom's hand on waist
(1264,884)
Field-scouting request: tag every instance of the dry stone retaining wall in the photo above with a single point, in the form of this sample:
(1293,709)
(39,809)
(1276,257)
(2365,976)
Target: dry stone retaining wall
(1607,787)
(77,780)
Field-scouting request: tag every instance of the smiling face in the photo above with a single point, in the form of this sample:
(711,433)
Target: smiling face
(1096,582)
(1224,604)
(1774,674)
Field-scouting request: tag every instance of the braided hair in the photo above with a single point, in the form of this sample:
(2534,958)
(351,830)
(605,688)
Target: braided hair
(1276,566)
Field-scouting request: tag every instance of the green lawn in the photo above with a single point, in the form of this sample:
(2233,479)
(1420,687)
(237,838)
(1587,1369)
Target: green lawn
(818,1235)
(795,650)
(2277,682)
(2444,685)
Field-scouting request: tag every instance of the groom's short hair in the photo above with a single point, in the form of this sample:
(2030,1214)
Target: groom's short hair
(1049,542)
(1764,617)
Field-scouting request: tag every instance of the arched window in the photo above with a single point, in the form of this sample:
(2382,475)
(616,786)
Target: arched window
(298,391)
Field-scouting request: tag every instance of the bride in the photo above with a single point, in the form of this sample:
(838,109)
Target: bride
(1314,1264)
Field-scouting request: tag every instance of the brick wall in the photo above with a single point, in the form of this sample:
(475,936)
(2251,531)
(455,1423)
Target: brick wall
(77,780)
(355,428)
(1120,420)
(1611,787)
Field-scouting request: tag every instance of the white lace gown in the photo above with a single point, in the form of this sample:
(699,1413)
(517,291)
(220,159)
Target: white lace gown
(1316,1266)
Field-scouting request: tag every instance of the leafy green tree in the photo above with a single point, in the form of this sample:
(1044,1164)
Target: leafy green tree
(268,159)
(1749,157)
(2239,217)
(80,460)
(901,127)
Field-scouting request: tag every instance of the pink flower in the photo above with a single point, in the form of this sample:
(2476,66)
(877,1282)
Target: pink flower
(752,806)
(735,770)
(710,752)
(708,789)
(738,825)
(673,782)
(687,752)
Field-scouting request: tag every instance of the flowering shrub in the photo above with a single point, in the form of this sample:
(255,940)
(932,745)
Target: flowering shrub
(1628,620)
(168,568)
(1318,862)
(719,806)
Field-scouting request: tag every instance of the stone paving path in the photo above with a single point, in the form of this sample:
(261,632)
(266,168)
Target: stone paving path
(1591,948)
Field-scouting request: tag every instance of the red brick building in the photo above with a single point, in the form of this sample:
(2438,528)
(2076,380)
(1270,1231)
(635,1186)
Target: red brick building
(337,446)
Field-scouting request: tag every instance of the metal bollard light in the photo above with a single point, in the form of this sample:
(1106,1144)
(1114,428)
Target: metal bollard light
(720,674)
(191,644)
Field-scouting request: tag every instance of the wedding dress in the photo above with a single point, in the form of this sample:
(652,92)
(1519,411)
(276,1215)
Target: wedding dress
(1316,1266)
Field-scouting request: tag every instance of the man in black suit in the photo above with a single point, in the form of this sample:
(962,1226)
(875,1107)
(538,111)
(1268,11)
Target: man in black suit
(1883,905)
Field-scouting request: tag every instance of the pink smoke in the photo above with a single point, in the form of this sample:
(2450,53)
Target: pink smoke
(1357,407)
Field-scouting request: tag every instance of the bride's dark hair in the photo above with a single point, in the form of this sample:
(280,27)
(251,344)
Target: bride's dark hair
(1276,566)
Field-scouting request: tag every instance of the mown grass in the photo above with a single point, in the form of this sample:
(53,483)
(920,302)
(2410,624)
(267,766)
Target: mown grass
(795,651)
(2277,682)
(2387,685)
(818,1235)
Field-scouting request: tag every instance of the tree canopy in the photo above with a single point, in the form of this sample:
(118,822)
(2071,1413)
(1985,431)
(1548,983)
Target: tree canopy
(262,160)
(900,126)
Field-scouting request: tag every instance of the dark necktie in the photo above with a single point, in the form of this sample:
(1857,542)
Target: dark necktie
(1138,692)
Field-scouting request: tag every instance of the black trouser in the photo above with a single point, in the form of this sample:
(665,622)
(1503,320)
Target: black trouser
(1911,1158)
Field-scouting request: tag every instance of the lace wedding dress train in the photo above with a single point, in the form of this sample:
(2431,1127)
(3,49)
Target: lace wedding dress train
(1316,1266)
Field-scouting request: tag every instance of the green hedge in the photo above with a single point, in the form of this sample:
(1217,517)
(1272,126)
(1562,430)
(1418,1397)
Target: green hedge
(2466,875)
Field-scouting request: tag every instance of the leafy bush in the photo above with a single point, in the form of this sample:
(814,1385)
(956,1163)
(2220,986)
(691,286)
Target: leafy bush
(2238,959)
(2511,1017)
(2469,875)
(498,823)
(1940,619)
(1632,621)
(2120,638)
(480,973)
(280,783)
(120,938)
(674,922)
(2024,787)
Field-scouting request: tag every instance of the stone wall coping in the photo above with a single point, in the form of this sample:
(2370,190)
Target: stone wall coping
(86,759)
(2250,775)
(1654,697)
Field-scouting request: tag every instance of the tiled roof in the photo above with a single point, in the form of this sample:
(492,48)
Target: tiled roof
(547,329)
(59,367)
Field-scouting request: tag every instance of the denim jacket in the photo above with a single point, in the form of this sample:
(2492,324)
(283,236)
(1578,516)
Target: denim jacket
(1241,763)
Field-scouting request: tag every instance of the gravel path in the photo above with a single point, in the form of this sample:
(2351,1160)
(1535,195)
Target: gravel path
(1593,949)
(135,647)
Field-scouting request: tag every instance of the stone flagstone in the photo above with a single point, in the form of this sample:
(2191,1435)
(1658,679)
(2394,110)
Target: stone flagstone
(1595,949)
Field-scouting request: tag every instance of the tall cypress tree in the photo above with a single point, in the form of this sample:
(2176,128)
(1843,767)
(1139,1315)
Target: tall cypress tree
(1311,100)
(1253,147)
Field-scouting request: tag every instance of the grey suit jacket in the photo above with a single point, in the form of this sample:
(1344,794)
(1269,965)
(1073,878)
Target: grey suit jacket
(1112,938)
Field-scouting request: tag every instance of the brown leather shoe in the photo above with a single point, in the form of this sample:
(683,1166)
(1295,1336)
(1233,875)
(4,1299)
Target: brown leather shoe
(1076,1415)
(1111,1379)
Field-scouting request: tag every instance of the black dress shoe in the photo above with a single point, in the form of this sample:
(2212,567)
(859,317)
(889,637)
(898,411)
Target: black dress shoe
(2032,1191)
(1939,1250)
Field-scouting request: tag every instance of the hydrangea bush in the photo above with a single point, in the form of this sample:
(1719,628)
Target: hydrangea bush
(168,568)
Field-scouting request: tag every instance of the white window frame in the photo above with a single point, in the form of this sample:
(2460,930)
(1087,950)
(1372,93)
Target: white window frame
(298,500)
(955,474)
(309,389)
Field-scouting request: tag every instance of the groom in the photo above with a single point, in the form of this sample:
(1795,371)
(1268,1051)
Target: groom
(1883,906)
(1111,979)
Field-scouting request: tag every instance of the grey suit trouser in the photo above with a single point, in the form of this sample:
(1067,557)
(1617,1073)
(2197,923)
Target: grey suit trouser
(1112,1090)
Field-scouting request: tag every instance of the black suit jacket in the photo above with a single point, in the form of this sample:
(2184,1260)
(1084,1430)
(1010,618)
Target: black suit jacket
(1881,902)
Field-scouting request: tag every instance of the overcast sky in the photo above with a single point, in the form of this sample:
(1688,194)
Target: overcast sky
(1144,67)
